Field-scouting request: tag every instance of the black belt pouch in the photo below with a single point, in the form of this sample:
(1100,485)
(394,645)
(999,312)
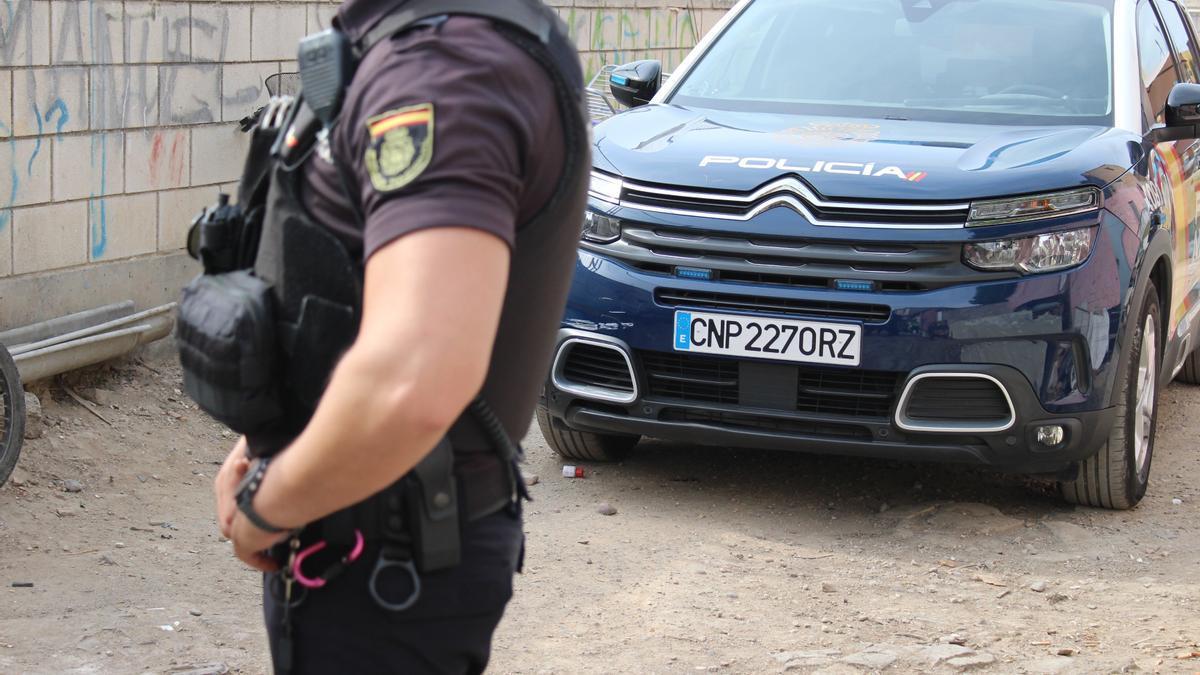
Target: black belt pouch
(227,346)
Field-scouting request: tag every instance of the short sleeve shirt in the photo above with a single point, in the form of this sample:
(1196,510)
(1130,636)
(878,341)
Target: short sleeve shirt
(452,124)
(446,125)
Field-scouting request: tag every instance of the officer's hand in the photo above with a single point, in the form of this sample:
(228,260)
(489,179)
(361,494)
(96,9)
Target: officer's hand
(250,543)
(225,486)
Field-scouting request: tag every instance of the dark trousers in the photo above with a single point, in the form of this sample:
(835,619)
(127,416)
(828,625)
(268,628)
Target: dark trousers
(340,628)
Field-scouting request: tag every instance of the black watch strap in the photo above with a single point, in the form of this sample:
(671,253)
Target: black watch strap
(245,498)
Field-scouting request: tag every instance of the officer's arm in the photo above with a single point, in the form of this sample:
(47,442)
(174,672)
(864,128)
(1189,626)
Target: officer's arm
(431,308)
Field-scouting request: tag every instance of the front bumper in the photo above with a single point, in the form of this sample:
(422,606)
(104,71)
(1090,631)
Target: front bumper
(1052,340)
(1014,449)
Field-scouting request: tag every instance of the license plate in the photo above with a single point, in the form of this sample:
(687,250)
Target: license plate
(765,338)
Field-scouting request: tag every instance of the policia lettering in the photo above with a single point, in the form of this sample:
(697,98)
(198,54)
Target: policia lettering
(280,300)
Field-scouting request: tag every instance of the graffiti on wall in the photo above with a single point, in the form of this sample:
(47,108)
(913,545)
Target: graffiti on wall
(105,70)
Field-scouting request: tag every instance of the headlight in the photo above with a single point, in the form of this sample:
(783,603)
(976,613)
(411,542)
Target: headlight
(600,228)
(1033,207)
(606,187)
(1048,252)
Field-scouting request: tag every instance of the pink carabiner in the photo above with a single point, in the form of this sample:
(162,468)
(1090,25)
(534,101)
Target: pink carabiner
(318,582)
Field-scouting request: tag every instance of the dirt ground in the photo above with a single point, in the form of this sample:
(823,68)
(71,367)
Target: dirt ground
(717,560)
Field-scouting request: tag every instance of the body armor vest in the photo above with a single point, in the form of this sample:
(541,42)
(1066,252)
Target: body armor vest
(316,284)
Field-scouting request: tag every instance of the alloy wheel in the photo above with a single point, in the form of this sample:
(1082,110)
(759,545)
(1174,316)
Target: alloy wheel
(1147,380)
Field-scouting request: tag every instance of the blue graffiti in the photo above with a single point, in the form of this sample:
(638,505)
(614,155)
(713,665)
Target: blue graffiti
(59,107)
(37,146)
(6,214)
(100,226)
(99,206)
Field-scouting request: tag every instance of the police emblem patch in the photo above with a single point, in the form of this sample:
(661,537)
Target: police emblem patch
(400,146)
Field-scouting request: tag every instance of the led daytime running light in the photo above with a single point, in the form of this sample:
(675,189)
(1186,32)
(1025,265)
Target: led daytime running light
(605,187)
(1033,207)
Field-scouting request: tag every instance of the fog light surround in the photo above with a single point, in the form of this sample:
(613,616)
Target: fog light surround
(599,228)
(1046,252)
(1050,435)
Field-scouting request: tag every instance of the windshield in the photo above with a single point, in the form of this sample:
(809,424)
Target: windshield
(988,61)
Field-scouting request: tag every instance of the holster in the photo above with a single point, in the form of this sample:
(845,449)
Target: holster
(432,501)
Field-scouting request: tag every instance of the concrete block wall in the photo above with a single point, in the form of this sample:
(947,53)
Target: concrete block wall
(118,122)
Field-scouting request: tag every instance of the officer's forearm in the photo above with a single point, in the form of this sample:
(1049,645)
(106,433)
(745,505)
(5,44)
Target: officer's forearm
(432,303)
(367,433)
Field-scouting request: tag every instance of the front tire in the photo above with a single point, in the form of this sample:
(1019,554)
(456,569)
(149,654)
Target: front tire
(1117,476)
(582,445)
(12,415)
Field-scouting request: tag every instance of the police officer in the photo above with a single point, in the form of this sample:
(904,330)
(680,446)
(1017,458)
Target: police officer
(455,174)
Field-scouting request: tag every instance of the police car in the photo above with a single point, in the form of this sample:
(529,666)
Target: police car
(954,230)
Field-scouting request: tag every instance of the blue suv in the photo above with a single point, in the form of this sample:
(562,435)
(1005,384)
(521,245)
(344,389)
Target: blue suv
(956,230)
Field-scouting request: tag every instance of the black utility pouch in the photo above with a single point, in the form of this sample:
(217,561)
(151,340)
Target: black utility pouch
(228,349)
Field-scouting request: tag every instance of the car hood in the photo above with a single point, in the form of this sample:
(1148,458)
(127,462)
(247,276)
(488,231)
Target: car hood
(857,158)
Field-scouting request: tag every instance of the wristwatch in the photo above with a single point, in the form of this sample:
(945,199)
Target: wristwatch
(246,490)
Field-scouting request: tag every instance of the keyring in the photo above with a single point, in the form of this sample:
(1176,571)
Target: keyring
(275,586)
(406,565)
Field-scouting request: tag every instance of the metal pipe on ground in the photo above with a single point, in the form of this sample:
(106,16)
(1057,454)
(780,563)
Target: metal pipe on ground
(61,357)
(65,324)
(123,322)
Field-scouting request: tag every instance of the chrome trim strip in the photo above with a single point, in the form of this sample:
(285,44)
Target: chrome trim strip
(784,192)
(906,423)
(588,391)
(800,189)
(800,208)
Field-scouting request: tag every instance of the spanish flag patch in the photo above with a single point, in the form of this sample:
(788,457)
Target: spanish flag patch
(400,146)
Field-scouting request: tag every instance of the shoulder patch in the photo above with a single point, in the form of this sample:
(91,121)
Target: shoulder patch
(400,146)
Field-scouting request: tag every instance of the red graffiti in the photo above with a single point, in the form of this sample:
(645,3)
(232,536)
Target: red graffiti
(155,151)
(175,160)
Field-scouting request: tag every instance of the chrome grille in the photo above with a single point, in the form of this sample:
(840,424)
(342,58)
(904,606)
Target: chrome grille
(798,196)
(791,261)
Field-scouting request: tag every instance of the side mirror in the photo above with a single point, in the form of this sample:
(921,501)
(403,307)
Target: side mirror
(636,83)
(1183,115)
